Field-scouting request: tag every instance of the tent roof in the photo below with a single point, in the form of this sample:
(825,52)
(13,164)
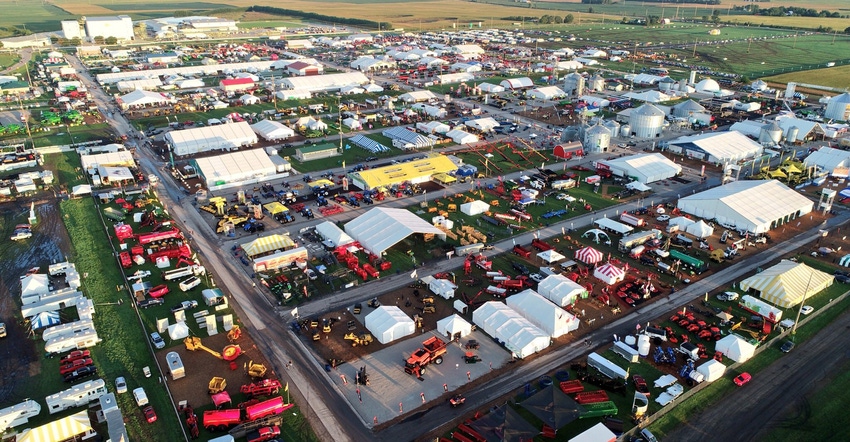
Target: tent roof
(828,158)
(596,433)
(550,256)
(119,158)
(747,204)
(45,319)
(610,270)
(35,284)
(178,331)
(325,82)
(272,130)
(542,313)
(235,166)
(721,145)
(516,83)
(507,422)
(386,318)
(201,139)
(553,407)
(700,229)
(559,289)
(681,221)
(646,167)
(334,234)
(735,347)
(589,255)
(454,324)
(505,324)
(788,283)
(60,429)
(411,170)
(381,228)
(267,244)
(141,97)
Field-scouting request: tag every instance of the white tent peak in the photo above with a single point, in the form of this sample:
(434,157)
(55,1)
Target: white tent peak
(381,228)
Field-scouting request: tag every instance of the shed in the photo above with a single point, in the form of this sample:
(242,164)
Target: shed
(442,287)
(511,329)
(453,327)
(712,370)
(541,312)
(609,274)
(473,208)
(213,297)
(735,348)
(561,290)
(389,323)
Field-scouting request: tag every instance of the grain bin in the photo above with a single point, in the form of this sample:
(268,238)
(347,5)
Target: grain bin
(597,139)
(666,84)
(625,131)
(646,121)
(789,90)
(770,133)
(838,108)
(687,108)
(574,84)
(613,126)
(596,83)
(792,134)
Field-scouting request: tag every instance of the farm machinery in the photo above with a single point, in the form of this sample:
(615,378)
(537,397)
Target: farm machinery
(432,350)
(265,387)
(217,385)
(229,353)
(361,339)
(255,369)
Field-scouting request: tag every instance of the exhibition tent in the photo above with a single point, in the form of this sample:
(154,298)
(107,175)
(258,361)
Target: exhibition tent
(178,331)
(461,137)
(490,88)
(735,348)
(280,260)
(381,228)
(140,97)
(681,221)
(452,325)
(700,229)
(267,244)
(787,284)
(35,284)
(44,319)
(443,287)
(644,168)
(330,232)
(207,138)
(546,93)
(550,256)
(589,255)
(561,290)
(272,130)
(553,406)
(66,428)
(485,124)
(549,317)
(82,189)
(609,274)
(507,326)
(388,323)
(712,370)
(473,208)
(596,433)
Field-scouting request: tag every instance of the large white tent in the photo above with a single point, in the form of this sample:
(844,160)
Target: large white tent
(35,285)
(235,168)
(561,290)
(541,312)
(381,228)
(491,88)
(507,326)
(473,208)
(712,370)
(485,124)
(550,256)
(452,326)
(178,331)
(140,97)
(207,138)
(328,82)
(330,232)
(272,130)
(735,348)
(700,229)
(833,161)
(462,137)
(716,147)
(644,168)
(546,93)
(758,205)
(388,323)
(788,283)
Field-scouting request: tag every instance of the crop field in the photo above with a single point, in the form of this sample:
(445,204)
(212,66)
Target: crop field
(671,34)
(838,77)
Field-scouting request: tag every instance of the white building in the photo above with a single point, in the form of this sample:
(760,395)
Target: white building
(72,29)
(541,312)
(329,82)
(236,169)
(836,162)
(120,27)
(208,138)
(838,108)
(518,334)
(647,168)
(716,147)
(546,93)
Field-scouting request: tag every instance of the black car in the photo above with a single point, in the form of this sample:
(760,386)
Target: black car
(520,268)
(150,302)
(645,260)
(844,279)
(81,373)
(787,346)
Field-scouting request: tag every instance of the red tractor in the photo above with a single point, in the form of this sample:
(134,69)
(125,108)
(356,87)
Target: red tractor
(265,387)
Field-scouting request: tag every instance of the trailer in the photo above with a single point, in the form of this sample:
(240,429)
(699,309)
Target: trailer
(114,214)
(77,396)
(469,249)
(599,409)
(192,270)
(79,341)
(626,351)
(59,268)
(606,367)
(221,420)
(18,414)
(563,184)
(521,251)
(632,220)
(189,283)
(761,308)
(175,365)
(570,387)
(635,239)
(148,238)
(541,246)
(68,329)
(591,397)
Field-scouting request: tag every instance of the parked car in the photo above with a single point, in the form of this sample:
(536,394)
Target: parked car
(536,277)
(640,384)
(727,296)
(787,346)
(150,414)
(663,218)
(742,379)
(520,268)
(807,309)
(150,302)
(120,385)
(157,341)
(185,305)
(844,279)
(80,373)
(140,396)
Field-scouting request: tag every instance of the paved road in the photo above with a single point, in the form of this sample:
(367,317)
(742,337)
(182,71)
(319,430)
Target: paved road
(777,396)
(26,56)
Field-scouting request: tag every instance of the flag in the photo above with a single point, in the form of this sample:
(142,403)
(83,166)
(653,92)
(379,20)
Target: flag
(286,387)
(295,312)
(413,275)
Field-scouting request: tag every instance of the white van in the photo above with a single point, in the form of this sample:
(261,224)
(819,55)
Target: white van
(190,283)
(140,396)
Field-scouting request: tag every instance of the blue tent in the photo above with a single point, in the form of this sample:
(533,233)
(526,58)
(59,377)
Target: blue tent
(44,320)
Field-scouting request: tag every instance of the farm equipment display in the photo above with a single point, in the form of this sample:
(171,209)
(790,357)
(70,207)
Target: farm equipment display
(229,353)
(432,350)
(191,421)
(221,420)
(217,385)
(265,387)
(361,339)
(255,370)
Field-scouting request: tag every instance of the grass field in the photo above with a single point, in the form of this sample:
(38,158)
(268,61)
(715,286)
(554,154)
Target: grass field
(833,77)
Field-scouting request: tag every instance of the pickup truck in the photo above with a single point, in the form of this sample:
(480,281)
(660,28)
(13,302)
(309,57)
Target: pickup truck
(185,305)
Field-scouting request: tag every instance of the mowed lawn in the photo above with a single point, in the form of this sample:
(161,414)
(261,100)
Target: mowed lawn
(837,77)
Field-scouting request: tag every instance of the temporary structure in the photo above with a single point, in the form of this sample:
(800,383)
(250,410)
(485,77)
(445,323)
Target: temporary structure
(596,433)
(553,406)
(510,328)
(644,168)
(44,320)
(454,326)
(34,285)
(700,229)
(388,323)
(178,331)
(681,221)
(549,317)
(550,256)
(561,290)
(712,370)
(207,138)
(267,244)
(589,255)
(330,232)
(272,130)
(379,229)
(442,287)
(735,348)
(788,283)
(609,274)
(67,428)
(473,208)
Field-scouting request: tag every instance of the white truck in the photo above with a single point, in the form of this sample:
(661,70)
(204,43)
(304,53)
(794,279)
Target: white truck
(193,270)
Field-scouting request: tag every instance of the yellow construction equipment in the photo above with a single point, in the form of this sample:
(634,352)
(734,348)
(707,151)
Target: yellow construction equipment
(234,334)
(255,370)
(428,300)
(217,385)
(362,339)
(231,352)
(326,326)
(219,203)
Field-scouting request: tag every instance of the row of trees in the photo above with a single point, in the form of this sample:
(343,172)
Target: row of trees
(611,2)
(556,19)
(779,11)
(321,17)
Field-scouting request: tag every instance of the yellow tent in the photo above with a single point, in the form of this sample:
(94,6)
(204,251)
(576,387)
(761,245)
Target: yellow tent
(274,208)
(59,430)
(778,174)
(792,169)
(444,178)
(268,244)
(788,283)
(415,171)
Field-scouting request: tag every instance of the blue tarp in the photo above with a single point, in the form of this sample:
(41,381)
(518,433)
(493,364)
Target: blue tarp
(45,319)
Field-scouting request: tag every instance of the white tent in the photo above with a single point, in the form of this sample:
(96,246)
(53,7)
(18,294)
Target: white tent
(596,433)
(700,229)
(546,93)
(44,319)
(485,124)
(550,256)
(508,327)
(82,189)
(381,228)
(735,348)
(34,285)
(249,99)
(443,287)
(178,331)
(388,323)
(461,137)
(788,283)
(141,97)
(609,274)
(712,370)
(681,221)
(644,168)
(352,123)
(453,324)
(490,88)
(561,290)
(549,317)
(330,232)
(207,138)
(272,130)
(473,208)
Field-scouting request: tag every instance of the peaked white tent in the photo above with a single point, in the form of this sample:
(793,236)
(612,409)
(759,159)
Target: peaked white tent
(609,274)
(712,370)
(178,331)
(443,287)
(510,328)
(388,323)
(82,189)
(35,285)
(561,290)
(788,283)
(381,228)
(272,130)
(681,221)
(473,208)
(700,229)
(549,317)
(735,348)
(461,137)
(330,232)
(644,168)
(452,325)
(550,256)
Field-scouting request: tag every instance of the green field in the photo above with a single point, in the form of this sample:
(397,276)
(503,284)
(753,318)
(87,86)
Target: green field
(836,77)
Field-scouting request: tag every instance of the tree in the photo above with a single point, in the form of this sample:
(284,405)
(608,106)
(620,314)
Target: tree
(74,41)
(557,19)
(110,40)
(847,30)
(569,19)
(99,39)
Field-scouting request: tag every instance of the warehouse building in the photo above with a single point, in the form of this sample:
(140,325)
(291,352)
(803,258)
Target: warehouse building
(330,82)
(310,153)
(716,147)
(417,171)
(208,138)
(237,169)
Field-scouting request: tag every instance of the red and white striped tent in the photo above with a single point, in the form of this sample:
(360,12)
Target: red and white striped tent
(589,255)
(609,274)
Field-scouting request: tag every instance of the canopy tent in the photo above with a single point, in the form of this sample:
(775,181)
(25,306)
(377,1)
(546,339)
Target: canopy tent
(712,370)
(110,175)
(473,208)
(381,228)
(67,428)
(443,287)
(490,88)
(454,325)
(507,326)
(504,424)
(550,256)
(609,274)
(717,147)
(388,323)
(330,232)
(34,285)
(598,235)
(644,168)
(272,130)
(462,137)
(553,407)
(207,138)
(141,97)
(700,229)
(638,186)
(485,124)
(546,93)
(756,206)
(44,320)
(788,283)
(735,348)
(267,244)
(589,255)
(280,260)
(82,189)
(249,99)
(681,221)
(178,331)
(561,290)
(596,433)
(549,317)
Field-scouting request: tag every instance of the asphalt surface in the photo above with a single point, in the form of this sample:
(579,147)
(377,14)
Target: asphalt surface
(777,396)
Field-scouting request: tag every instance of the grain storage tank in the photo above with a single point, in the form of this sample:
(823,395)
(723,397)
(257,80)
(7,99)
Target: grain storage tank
(666,84)
(792,134)
(692,78)
(596,83)
(625,131)
(643,345)
(597,139)
(838,108)
(770,133)
(571,133)
(687,108)
(683,85)
(574,84)
(613,126)
(646,121)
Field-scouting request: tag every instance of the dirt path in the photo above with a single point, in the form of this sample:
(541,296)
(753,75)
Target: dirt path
(26,56)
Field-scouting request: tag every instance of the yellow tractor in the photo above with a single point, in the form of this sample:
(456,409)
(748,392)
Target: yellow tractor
(234,334)
(217,385)
(255,370)
(362,339)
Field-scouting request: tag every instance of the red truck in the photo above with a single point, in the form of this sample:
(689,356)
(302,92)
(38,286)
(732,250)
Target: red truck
(541,246)
(73,365)
(221,420)
(432,350)
(264,434)
(74,355)
(521,251)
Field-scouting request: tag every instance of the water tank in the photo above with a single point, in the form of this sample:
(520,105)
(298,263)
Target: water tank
(666,84)
(647,121)
(770,134)
(643,346)
(791,136)
(625,131)
(630,340)
(790,89)
(613,126)
(597,139)
(838,108)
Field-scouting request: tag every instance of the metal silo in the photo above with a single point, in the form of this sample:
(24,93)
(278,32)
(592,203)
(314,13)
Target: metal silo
(613,126)
(646,121)
(597,83)
(597,139)
(770,133)
(792,134)
(574,84)
(838,108)
(666,84)
(625,131)
(789,90)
